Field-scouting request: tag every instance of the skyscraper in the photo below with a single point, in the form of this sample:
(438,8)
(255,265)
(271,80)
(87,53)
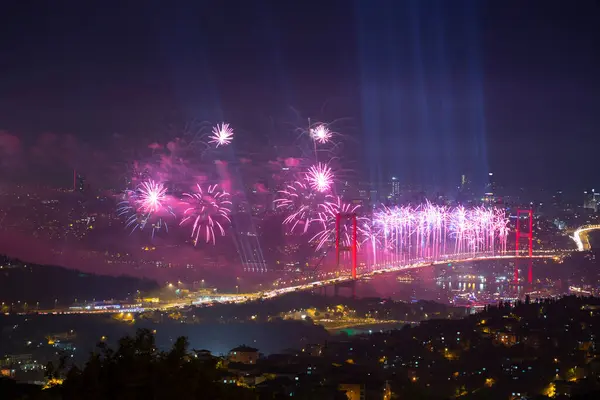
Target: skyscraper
(489,195)
(395,188)
(557,199)
(465,191)
(591,200)
(491,186)
(80,183)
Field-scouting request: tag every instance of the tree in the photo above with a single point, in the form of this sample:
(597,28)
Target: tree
(11,390)
(138,370)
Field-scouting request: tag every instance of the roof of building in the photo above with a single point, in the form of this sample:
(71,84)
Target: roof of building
(245,349)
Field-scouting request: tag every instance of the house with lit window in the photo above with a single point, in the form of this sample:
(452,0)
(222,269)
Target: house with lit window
(243,355)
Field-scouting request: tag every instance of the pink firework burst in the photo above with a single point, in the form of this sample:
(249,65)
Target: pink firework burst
(151,196)
(330,210)
(320,177)
(208,210)
(303,203)
(222,135)
(145,207)
(321,134)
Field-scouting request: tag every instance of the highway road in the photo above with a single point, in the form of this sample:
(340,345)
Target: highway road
(580,236)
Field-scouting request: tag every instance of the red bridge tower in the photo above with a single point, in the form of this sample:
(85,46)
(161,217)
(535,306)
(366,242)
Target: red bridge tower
(353,245)
(524,235)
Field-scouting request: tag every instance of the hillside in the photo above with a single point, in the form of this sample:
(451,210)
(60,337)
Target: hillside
(22,282)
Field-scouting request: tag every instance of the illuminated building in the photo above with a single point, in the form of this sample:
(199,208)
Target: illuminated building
(489,197)
(81,183)
(203,355)
(491,186)
(465,191)
(557,199)
(244,355)
(7,372)
(506,338)
(591,200)
(314,350)
(395,188)
(13,359)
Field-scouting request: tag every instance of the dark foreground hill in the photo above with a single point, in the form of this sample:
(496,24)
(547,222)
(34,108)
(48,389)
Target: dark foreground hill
(22,283)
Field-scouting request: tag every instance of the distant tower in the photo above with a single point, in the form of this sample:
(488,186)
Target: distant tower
(80,184)
(491,186)
(557,199)
(490,190)
(395,188)
(591,200)
(465,192)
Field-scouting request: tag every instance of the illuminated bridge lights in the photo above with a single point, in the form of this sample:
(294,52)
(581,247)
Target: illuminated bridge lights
(326,280)
(418,264)
(578,236)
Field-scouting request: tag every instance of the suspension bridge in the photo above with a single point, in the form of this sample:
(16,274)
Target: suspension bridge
(345,251)
(339,278)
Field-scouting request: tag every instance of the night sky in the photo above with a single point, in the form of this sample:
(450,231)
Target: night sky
(425,90)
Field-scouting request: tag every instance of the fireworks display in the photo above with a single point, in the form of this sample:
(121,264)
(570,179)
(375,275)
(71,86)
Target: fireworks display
(429,231)
(207,211)
(330,210)
(221,135)
(148,203)
(302,204)
(151,196)
(145,207)
(320,177)
(309,205)
(321,134)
